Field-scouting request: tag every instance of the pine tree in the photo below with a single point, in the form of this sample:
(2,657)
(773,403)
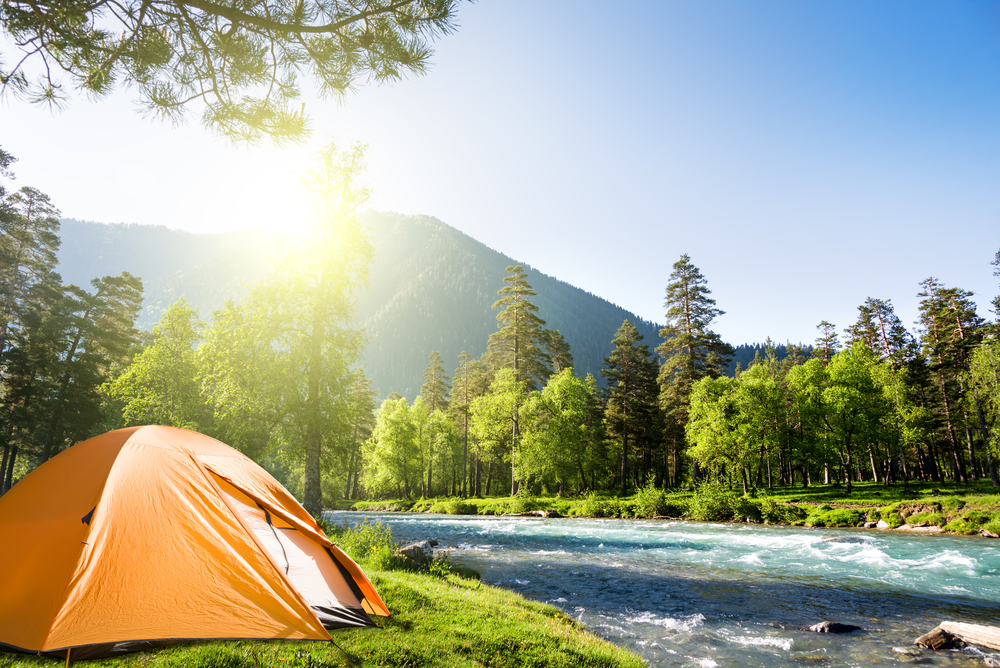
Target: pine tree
(558,350)
(881,331)
(690,350)
(827,344)
(435,395)
(361,411)
(632,390)
(521,342)
(951,331)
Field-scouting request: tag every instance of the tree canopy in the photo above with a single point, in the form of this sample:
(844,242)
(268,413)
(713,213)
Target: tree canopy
(240,61)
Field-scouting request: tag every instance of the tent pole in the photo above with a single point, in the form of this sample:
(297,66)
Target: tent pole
(67,657)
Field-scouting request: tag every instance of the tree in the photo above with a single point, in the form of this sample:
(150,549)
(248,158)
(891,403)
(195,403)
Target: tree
(494,424)
(880,329)
(827,344)
(240,61)
(434,392)
(951,330)
(296,326)
(161,386)
(558,350)
(632,392)
(521,341)
(390,454)
(690,350)
(471,381)
(99,333)
(361,416)
(556,428)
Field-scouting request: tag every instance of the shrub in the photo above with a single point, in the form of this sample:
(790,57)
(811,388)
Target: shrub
(713,502)
(454,507)
(600,506)
(366,540)
(771,512)
(836,517)
(649,501)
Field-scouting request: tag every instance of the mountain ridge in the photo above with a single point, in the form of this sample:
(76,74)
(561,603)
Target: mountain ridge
(431,287)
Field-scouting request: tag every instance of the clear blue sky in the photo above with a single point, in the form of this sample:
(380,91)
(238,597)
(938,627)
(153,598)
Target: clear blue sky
(806,155)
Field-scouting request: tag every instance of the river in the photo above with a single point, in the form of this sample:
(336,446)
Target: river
(703,594)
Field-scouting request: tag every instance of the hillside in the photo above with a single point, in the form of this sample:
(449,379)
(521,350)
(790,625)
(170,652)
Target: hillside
(431,288)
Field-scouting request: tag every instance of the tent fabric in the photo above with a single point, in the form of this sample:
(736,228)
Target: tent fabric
(152,534)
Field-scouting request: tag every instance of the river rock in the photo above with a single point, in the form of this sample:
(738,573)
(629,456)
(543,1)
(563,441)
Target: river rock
(832,627)
(988,534)
(871,525)
(420,552)
(939,639)
(882,524)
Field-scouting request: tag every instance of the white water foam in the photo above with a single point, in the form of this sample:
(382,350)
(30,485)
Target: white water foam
(758,641)
(669,623)
(751,558)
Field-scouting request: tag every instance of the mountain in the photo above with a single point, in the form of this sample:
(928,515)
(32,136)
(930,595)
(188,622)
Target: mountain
(431,287)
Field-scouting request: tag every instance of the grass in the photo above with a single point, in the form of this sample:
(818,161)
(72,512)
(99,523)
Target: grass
(963,509)
(439,618)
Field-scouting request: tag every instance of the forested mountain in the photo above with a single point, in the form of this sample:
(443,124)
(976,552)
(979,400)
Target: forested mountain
(431,288)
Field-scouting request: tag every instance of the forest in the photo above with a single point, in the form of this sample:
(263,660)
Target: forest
(280,375)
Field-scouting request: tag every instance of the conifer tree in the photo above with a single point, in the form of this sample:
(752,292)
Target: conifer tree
(361,411)
(521,342)
(690,350)
(881,331)
(951,330)
(632,391)
(827,344)
(434,392)
(558,350)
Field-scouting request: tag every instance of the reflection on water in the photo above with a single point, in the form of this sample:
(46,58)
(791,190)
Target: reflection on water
(698,594)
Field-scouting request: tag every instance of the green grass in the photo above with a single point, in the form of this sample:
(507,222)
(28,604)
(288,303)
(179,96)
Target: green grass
(964,509)
(439,618)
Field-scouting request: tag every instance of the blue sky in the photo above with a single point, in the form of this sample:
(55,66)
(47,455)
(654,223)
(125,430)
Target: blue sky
(807,155)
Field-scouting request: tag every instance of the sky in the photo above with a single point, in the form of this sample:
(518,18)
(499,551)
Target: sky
(805,155)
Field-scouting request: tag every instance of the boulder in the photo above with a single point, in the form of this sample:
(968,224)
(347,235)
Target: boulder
(420,552)
(882,524)
(832,627)
(988,534)
(551,512)
(871,525)
(939,639)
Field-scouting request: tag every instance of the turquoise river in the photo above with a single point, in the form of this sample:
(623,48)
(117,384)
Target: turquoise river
(702,594)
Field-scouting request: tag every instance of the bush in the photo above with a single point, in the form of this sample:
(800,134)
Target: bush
(836,517)
(454,507)
(771,512)
(600,506)
(649,501)
(714,502)
(367,541)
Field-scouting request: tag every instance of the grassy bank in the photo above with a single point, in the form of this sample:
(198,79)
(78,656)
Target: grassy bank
(963,509)
(439,618)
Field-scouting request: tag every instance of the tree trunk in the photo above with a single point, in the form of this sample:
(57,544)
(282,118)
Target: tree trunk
(7,477)
(986,441)
(959,464)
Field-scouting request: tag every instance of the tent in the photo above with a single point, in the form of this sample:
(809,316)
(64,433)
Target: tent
(151,535)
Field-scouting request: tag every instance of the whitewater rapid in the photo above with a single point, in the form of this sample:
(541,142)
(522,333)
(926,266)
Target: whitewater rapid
(703,594)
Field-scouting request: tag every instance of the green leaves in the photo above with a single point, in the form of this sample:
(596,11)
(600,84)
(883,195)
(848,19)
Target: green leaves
(239,62)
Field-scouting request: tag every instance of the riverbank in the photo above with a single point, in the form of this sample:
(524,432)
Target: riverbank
(441,617)
(972,509)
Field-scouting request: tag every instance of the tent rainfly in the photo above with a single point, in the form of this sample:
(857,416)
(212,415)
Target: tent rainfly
(147,536)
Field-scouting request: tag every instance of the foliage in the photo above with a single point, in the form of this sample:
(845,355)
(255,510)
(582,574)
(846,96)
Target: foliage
(836,517)
(521,342)
(240,62)
(454,507)
(716,502)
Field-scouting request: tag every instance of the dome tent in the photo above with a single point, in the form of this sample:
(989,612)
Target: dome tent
(150,535)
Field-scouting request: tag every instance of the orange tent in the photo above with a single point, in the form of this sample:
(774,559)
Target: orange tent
(151,535)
